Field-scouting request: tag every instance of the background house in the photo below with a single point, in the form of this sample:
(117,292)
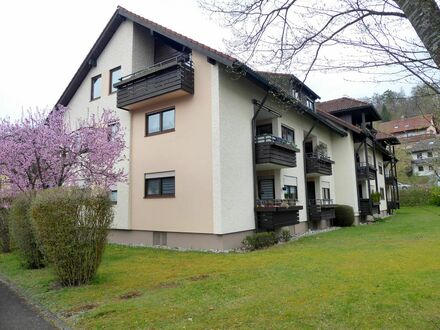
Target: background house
(410,129)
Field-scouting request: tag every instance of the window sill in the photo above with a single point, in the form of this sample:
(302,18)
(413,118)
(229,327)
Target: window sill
(91,100)
(162,132)
(159,196)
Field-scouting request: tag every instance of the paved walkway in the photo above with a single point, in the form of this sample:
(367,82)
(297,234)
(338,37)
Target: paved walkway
(15,314)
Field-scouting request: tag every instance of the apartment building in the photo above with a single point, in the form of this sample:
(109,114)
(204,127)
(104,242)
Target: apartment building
(425,157)
(411,129)
(216,150)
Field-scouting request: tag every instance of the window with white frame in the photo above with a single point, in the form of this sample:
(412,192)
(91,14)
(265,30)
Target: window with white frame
(420,168)
(326,197)
(290,187)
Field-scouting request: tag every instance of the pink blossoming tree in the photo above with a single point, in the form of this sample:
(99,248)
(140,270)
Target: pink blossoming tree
(44,149)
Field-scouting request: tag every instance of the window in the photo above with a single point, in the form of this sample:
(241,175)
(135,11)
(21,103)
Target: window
(309,104)
(396,126)
(160,122)
(288,134)
(115,74)
(114,128)
(420,168)
(431,168)
(264,129)
(419,155)
(326,193)
(295,94)
(114,196)
(380,169)
(160,186)
(430,154)
(290,187)
(96,87)
(382,194)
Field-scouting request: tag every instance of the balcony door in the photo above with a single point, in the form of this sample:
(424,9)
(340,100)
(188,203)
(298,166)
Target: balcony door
(311,193)
(266,188)
(308,148)
(264,129)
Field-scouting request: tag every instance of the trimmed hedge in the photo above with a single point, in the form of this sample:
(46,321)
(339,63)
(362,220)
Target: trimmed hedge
(23,233)
(344,216)
(72,224)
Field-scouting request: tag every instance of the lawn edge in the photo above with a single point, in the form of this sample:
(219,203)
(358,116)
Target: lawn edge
(33,304)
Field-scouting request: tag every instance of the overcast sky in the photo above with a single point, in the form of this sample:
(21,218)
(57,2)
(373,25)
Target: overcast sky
(43,43)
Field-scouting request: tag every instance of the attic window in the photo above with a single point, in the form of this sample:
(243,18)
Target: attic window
(397,126)
(295,94)
(96,88)
(406,125)
(309,104)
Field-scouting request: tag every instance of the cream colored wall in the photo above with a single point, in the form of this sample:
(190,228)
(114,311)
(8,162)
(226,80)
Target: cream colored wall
(118,52)
(381,180)
(187,151)
(302,125)
(235,134)
(344,172)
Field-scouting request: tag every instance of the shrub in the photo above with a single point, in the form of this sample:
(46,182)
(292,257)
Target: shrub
(260,240)
(285,235)
(23,232)
(435,196)
(73,223)
(344,216)
(5,241)
(375,197)
(414,196)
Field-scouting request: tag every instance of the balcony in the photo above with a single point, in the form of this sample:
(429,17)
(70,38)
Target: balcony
(365,172)
(277,213)
(272,152)
(393,205)
(168,79)
(321,209)
(364,206)
(390,179)
(318,164)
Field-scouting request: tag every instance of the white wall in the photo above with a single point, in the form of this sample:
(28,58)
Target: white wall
(118,52)
(344,172)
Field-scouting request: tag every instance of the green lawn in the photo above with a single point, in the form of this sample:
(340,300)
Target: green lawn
(385,275)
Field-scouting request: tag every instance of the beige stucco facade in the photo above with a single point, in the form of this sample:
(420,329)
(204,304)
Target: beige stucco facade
(209,152)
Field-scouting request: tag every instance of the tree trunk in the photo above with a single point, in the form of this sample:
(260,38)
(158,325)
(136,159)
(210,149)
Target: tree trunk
(424,16)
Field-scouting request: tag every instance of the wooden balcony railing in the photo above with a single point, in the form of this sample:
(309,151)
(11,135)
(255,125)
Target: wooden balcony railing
(317,163)
(321,209)
(365,171)
(274,152)
(368,207)
(277,213)
(175,75)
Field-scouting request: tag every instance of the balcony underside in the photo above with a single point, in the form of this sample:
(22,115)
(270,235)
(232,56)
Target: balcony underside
(271,218)
(272,155)
(170,82)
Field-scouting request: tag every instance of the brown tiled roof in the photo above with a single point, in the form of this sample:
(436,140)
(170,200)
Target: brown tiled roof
(283,80)
(342,103)
(406,124)
(382,136)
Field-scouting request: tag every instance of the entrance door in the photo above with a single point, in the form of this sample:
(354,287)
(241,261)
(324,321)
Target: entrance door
(311,194)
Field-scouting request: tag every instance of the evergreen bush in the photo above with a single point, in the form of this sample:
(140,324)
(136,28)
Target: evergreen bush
(344,216)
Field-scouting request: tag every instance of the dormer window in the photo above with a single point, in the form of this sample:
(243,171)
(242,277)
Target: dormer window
(310,104)
(295,94)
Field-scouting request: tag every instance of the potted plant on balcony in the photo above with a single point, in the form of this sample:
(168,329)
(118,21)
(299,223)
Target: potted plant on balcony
(375,197)
(321,150)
